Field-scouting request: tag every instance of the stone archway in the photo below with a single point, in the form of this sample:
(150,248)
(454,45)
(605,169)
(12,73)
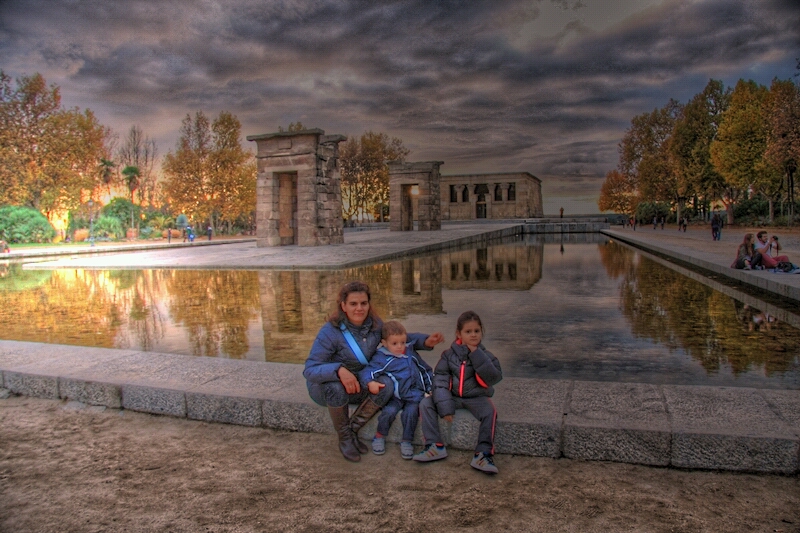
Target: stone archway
(414,196)
(298,192)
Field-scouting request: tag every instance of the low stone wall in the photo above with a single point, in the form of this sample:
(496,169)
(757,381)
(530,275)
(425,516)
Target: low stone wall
(702,427)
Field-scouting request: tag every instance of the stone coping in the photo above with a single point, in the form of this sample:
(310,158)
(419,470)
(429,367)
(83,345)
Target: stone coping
(782,285)
(702,427)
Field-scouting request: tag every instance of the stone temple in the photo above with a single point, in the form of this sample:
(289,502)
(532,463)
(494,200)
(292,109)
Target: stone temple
(299,197)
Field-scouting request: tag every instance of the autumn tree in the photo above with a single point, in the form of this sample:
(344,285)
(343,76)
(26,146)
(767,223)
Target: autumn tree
(644,153)
(695,128)
(209,176)
(738,150)
(365,175)
(618,193)
(49,155)
(783,140)
(140,151)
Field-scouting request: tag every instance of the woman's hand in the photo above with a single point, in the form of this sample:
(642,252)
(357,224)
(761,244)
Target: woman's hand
(449,418)
(350,382)
(434,339)
(375,387)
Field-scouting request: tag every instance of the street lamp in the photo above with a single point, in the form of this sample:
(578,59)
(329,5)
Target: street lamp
(91,222)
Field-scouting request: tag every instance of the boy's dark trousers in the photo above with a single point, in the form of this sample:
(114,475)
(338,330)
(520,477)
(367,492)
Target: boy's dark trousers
(409,418)
(481,408)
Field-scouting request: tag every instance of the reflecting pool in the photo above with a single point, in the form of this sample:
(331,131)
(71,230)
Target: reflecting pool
(585,308)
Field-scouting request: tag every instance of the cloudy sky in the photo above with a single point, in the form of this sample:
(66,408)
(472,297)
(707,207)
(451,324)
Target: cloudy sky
(543,86)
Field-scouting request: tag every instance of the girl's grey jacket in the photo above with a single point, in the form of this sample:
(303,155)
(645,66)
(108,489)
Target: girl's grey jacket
(465,374)
(330,350)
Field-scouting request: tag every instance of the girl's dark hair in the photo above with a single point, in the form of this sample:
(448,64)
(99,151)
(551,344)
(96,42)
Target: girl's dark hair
(468,316)
(354,286)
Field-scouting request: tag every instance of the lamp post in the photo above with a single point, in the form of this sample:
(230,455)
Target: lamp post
(91,222)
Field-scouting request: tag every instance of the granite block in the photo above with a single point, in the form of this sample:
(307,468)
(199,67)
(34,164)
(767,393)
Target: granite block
(154,400)
(786,404)
(624,422)
(38,386)
(541,440)
(225,409)
(296,416)
(90,392)
(533,410)
(728,428)
(464,430)
(735,452)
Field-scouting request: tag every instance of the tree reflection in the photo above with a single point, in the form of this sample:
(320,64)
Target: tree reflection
(215,308)
(680,313)
(61,307)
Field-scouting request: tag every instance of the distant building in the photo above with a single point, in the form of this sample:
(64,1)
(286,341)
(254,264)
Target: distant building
(491,196)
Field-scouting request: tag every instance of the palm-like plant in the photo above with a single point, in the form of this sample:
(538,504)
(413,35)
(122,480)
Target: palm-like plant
(132,176)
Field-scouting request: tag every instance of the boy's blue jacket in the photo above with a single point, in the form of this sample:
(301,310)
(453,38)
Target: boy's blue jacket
(465,374)
(330,350)
(410,374)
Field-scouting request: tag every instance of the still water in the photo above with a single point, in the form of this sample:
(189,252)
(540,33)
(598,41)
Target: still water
(594,310)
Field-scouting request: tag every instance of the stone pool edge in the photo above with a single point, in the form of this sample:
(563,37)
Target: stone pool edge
(762,280)
(682,426)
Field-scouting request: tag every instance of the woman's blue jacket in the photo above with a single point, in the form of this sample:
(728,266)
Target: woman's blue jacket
(330,350)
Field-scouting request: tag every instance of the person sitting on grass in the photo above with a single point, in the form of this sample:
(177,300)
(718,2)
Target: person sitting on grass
(766,246)
(397,359)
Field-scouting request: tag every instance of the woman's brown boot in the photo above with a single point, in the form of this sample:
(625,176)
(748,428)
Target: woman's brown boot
(341,423)
(360,417)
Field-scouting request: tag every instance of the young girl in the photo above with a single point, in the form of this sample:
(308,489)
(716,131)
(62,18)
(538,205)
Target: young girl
(463,378)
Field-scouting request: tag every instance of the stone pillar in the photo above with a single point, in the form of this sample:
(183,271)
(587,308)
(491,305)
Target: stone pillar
(424,178)
(298,192)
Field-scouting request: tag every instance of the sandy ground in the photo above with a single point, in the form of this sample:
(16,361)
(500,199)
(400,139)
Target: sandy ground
(68,467)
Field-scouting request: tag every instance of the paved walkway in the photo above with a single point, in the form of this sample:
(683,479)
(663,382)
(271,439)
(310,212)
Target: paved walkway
(359,248)
(669,425)
(696,248)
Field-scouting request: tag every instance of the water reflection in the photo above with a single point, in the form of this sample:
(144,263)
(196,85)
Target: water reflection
(681,313)
(575,306)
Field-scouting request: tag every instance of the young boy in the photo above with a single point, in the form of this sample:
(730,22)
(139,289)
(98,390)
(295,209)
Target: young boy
(411,376)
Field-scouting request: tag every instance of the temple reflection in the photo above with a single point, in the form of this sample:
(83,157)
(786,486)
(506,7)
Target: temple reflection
(610,310)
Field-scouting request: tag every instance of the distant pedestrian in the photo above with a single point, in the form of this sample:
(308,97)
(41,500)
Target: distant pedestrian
(716,234)
(183,233)
(662,222)
(209,231)
(169,235)
(561,212)
(655,222)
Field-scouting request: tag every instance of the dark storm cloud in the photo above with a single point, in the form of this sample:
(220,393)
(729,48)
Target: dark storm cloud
(540,86)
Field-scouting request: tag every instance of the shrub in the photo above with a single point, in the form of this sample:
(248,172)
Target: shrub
(120,208)
(24,224)
(108,226)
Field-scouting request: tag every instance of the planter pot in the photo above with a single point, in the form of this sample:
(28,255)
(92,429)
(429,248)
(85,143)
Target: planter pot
(131,234)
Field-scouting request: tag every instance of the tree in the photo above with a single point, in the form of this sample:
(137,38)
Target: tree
(140,151)
(48,155)
(695,128)
(618,193)
(365,175)
(644,154)
(783,140)
(209,176)
(738,150)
